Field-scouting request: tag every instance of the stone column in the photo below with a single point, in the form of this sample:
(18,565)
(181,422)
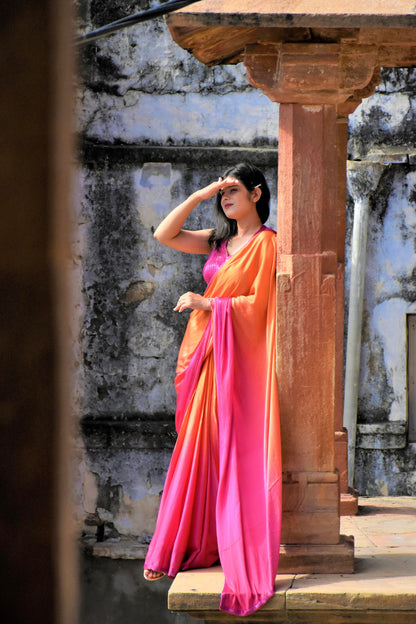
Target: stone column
(363,179)
(348,495)
(310,81)
(348,498)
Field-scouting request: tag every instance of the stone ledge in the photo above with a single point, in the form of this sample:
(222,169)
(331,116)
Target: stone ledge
(115,548)
(200,590)
(104,432)
(311,617)
(391,155)
(382,589)
(293,558)
(368,596)
(302,13)
(92,152)
(387,435)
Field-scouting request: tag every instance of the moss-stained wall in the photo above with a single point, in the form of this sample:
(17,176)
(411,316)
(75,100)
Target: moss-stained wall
(383,129)
(154,125)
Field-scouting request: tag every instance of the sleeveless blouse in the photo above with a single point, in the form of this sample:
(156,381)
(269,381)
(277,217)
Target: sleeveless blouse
(217,257)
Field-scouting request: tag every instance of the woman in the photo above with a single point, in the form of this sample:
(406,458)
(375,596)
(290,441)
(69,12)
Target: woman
(222,496)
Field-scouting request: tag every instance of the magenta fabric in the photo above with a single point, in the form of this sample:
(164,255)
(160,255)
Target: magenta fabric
(215,260)
(217,257)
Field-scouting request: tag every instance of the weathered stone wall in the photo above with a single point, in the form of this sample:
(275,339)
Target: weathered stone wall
(383,129)
(154,125)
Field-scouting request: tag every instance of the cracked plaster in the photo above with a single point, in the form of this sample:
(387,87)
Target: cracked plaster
(141,89)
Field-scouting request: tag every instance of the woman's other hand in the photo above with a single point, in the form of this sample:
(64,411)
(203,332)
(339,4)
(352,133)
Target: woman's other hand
(193,301)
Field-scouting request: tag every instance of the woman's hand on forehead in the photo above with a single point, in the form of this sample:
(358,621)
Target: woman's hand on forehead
(216,187)
(227,182)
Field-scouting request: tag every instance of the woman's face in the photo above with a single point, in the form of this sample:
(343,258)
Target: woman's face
(237,200)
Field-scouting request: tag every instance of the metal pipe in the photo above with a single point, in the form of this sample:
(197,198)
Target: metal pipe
(124,22)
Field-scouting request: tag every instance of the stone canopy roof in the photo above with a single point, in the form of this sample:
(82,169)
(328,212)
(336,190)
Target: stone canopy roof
(314,13)
(217,31)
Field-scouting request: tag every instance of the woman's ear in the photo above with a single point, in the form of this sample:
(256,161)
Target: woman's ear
(256,194)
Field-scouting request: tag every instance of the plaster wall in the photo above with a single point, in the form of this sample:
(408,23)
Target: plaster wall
(383,130)
(154,125)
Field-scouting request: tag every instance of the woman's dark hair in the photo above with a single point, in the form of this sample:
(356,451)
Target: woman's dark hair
(251,177)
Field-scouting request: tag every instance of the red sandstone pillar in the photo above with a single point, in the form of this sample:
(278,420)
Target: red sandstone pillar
(306,325)
(310,81)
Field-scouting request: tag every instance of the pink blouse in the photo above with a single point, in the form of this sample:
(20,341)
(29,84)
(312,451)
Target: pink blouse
(217,257)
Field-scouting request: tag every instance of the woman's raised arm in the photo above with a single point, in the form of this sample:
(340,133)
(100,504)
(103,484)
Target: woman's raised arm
(170,231)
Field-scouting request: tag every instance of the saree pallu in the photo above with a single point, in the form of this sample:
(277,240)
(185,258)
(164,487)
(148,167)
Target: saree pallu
(222,495)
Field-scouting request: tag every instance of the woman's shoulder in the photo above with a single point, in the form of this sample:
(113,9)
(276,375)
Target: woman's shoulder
(268,230)
(264,244)
(268,235)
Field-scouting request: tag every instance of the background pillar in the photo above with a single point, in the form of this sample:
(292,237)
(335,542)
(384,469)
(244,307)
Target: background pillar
(363,180)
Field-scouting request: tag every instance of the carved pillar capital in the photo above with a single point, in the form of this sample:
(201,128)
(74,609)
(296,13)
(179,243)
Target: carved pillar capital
(312,73)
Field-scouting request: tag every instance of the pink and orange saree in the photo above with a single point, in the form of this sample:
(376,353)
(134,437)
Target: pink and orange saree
(222,496)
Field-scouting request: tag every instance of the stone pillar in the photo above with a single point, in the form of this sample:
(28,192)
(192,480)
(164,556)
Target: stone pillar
(362,182)
(348,495)
(348,499)
(310,81)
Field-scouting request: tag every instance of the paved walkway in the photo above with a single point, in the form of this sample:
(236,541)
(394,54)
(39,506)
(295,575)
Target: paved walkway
(382,589)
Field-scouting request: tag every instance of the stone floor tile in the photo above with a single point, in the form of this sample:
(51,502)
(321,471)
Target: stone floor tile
(395,540)
(201,589)
(383,524)
(384,581)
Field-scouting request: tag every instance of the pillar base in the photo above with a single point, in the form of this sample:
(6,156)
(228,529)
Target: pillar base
(349,502)
(348,495)
(310,508)
(318,558)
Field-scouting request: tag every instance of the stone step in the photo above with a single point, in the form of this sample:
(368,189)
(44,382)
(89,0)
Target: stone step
(381,590)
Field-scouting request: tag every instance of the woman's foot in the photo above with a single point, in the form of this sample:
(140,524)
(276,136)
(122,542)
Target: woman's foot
(153,575)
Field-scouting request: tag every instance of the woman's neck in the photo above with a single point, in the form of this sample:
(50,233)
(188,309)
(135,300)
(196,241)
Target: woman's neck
(247,228)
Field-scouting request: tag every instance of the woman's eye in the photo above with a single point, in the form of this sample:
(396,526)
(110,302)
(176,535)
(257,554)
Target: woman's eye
(228,191)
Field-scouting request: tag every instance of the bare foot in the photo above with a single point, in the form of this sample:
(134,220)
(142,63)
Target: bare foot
(153,575)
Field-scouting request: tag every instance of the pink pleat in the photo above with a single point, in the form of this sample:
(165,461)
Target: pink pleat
(248,510)
(185,535)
